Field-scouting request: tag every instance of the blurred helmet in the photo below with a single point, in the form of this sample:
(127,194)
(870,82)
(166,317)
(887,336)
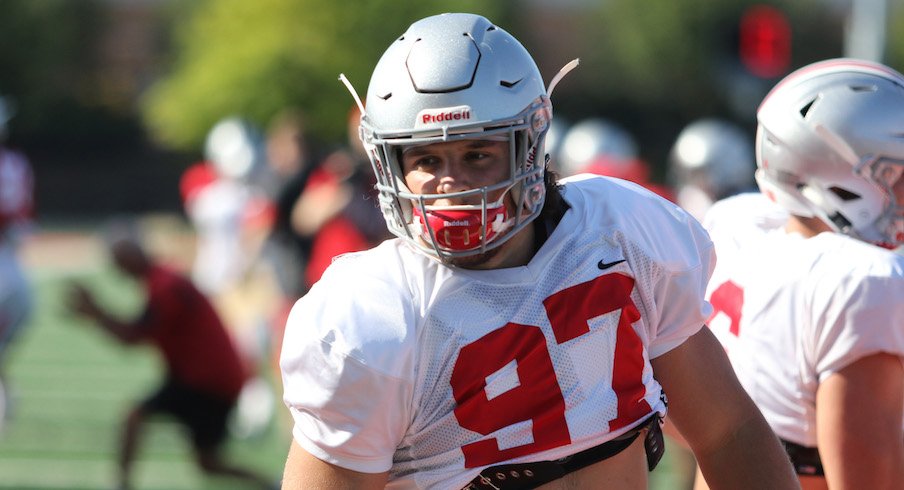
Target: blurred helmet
(235,147)
(714,156)
(830,144)
(594,139)
(452,77)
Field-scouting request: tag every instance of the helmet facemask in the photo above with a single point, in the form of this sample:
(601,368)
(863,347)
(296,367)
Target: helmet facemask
(450,232)
(884,174)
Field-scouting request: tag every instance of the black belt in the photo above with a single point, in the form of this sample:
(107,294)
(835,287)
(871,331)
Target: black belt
(806,460)
(531,475)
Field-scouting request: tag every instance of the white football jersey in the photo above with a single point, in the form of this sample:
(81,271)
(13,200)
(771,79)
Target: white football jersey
(394,362)
(791,311)
(218,211)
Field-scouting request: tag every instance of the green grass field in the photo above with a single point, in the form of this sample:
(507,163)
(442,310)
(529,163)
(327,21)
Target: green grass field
(71,385)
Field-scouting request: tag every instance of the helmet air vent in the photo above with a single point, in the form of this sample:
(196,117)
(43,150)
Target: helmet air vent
(844,194)
(806,108)
(508,84)
(863,88)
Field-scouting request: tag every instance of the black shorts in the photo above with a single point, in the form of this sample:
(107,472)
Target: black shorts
(205,415)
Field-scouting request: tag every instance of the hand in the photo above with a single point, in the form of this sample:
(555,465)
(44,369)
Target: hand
(81,301)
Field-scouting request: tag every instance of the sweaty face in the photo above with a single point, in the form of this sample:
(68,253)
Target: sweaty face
(456,166)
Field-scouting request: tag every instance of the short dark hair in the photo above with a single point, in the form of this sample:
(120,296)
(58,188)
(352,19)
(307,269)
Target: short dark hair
(554,206)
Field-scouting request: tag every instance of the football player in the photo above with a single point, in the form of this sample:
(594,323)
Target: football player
(517,331)
(808,300)
(598,146)
(16,214)
(592,139)
(225,206)
(204,372)
(711,159)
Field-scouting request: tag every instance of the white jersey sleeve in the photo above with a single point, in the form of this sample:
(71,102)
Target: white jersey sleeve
(858,305)
(345,368)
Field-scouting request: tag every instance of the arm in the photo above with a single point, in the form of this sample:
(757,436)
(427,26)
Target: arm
(858,419)
(303,470)
(731,440)
(82,302)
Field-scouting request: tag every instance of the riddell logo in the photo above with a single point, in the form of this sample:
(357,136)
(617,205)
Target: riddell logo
(432,116)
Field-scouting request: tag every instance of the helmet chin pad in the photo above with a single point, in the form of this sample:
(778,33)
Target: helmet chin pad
(460,228)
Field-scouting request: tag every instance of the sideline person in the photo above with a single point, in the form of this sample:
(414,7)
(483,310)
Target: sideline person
(204,372)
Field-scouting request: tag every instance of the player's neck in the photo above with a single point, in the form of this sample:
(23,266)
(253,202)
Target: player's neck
(806,227)
(515,252)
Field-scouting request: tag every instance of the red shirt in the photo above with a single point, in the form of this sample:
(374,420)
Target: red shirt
(336,237)
(181,322)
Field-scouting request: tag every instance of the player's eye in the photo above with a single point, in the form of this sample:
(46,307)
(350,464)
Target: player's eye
(481,157)
(422,162)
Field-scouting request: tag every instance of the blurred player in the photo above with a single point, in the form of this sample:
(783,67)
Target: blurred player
(809,303)
(224,205)
(232,215)
(516,332)
(16,212)
(204,371)
(601,147)
(710,160)
(590,140)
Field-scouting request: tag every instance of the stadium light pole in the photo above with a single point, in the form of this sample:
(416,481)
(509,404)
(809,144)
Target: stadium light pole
(866,30)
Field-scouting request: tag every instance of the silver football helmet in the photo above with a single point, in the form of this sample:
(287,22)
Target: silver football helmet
(592,139)
(830,144)
(715,156)
(451,77)
(235,147)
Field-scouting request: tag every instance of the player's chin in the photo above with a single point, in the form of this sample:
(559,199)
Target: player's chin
(477,261)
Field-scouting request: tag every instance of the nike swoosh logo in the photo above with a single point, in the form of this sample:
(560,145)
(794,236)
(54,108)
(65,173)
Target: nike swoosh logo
(606,265)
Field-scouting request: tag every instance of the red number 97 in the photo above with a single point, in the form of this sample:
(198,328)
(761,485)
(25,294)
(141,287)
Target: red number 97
(537,397)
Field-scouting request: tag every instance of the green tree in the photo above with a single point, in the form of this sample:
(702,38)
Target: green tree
(257,58)
(47,55)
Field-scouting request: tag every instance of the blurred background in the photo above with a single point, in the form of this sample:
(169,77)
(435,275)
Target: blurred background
(114,97)
(115,101)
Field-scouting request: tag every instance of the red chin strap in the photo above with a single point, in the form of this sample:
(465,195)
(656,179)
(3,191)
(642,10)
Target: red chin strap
(459,229)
